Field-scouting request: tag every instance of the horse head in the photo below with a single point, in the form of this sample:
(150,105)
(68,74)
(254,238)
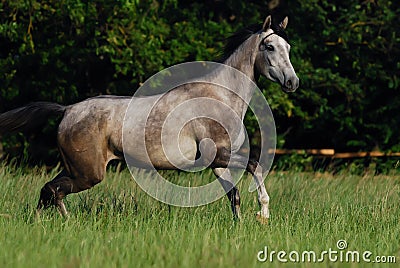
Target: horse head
(272,59)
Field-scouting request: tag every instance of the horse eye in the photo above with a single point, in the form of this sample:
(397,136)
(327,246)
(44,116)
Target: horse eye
(269,47)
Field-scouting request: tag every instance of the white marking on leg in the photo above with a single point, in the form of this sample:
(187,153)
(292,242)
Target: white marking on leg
(62,209)
(263,196)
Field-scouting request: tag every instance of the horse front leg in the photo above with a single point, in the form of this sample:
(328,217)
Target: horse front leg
(225,159)
(263,198)
(225,179)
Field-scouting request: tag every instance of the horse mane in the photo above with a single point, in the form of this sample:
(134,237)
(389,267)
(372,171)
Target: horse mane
(240,36)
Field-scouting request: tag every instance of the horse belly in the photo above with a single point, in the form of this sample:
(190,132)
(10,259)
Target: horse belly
(173,152)
(144,146)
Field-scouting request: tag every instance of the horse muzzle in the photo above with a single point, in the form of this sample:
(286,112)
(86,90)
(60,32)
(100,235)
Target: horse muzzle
(290,84)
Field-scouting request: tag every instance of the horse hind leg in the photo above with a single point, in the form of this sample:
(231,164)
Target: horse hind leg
(54,191)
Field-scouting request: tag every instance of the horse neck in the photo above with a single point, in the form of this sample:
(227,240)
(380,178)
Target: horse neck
(243,59)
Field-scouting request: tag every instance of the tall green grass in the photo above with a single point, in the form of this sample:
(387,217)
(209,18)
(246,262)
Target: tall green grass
(116,224)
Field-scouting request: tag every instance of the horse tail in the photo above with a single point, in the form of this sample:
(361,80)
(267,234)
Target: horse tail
(29,117)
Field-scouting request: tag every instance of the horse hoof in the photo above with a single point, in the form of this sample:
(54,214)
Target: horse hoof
(261,219)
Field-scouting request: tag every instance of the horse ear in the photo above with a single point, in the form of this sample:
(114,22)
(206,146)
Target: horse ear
(284,23)
(267,23)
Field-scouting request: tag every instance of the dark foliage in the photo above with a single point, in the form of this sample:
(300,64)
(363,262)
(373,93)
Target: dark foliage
(345,53)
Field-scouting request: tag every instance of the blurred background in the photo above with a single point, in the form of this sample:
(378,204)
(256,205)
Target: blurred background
(346,54)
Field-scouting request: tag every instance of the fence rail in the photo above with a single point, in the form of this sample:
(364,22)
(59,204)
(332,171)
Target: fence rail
(332,154)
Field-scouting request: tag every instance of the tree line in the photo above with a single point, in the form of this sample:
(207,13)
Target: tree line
(346,54)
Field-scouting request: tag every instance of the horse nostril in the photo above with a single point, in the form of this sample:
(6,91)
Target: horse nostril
(289,84)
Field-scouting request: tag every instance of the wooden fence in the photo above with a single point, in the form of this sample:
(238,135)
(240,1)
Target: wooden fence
(332,154)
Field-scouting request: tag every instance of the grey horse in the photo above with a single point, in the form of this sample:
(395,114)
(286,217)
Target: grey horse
(90,132)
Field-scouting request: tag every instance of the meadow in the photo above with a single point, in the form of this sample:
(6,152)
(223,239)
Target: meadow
(115,224)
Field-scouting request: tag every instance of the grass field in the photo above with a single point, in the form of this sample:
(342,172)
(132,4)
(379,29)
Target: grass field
(115,224)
